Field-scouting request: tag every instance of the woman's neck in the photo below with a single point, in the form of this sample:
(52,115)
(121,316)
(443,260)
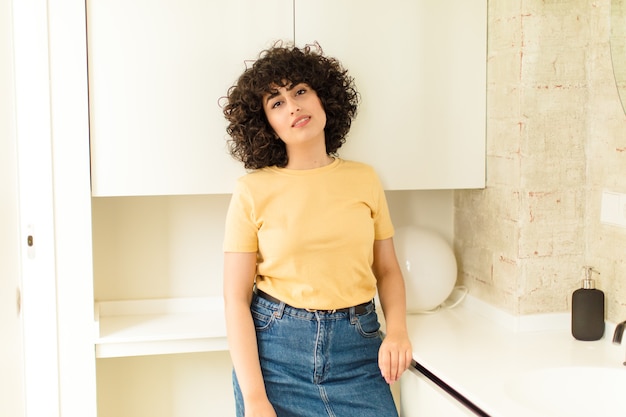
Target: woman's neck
(312,162)
(308,158)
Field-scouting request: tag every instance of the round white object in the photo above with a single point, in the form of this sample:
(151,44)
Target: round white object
(428,265)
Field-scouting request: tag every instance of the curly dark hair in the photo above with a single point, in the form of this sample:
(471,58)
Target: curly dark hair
(252,139)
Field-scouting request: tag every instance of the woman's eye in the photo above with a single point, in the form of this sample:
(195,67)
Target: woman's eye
(300,91)
(276,104)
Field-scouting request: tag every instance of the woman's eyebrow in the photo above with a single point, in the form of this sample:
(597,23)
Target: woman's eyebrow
(271,95)
(275,93)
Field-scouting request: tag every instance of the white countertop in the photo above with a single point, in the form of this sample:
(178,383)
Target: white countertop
(481,351)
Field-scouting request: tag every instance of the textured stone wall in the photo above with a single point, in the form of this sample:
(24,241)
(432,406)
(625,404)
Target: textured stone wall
(556,137)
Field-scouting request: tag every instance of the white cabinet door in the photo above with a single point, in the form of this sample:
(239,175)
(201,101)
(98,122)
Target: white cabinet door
(420,397)
(420,66)
(157,71)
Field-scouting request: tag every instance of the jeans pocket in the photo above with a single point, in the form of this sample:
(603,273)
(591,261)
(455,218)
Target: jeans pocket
(263,319)
(367,325)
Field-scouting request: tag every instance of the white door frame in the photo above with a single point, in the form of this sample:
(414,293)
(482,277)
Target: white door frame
(72,207)
(52,130)
(36,224)
(11,347)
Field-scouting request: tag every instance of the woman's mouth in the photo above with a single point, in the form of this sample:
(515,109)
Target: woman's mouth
(301,121)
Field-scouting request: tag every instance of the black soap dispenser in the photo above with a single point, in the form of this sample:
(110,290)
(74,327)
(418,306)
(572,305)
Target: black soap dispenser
(588,309)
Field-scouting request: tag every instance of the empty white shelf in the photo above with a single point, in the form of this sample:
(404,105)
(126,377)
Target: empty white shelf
(159,326)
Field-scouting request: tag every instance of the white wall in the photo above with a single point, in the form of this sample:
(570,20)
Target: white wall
(432,210)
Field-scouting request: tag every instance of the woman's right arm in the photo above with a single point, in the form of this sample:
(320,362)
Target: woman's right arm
(239,274)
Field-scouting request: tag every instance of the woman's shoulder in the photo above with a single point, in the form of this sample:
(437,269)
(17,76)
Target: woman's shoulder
(255,175)
(357,166)
(249,181)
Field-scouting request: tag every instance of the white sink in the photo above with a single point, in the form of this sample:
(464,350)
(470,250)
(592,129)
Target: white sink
(571,391)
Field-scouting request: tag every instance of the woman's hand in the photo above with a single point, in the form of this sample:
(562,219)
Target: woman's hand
(395,354)
(260,409)
(239,273)
(394,357)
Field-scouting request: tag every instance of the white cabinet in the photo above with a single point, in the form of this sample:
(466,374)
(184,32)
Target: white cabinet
(160,337)
(158,274)
(420,66)
(183,385)
(420,397)
(158,69)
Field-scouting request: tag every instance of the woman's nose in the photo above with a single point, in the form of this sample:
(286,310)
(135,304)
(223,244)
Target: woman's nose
(293,106)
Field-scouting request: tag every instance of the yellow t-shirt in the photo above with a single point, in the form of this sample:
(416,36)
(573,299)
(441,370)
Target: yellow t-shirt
(313,231)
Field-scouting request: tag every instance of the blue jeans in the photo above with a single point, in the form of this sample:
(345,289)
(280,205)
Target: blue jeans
(319,364)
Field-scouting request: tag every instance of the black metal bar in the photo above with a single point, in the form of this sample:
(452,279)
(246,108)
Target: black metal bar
(451,391)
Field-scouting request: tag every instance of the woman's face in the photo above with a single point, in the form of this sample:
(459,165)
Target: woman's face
(296,114)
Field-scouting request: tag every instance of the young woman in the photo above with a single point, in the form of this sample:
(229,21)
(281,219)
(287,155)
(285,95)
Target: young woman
(308,243)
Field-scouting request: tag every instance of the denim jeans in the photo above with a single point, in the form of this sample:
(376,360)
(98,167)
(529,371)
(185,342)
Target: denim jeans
(319,364)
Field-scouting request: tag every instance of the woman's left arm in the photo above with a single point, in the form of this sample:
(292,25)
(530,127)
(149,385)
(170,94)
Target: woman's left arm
(395,354)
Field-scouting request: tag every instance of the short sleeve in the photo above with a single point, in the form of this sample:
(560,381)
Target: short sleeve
(240,234)
(383,226)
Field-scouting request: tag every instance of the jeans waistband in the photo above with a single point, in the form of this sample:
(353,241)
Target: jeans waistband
(358,309)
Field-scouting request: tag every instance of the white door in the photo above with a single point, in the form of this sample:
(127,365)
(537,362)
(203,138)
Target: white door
(11,349)
(33,224)
(44,238)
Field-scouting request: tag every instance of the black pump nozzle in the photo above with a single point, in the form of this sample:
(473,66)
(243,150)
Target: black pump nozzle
(619,332)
